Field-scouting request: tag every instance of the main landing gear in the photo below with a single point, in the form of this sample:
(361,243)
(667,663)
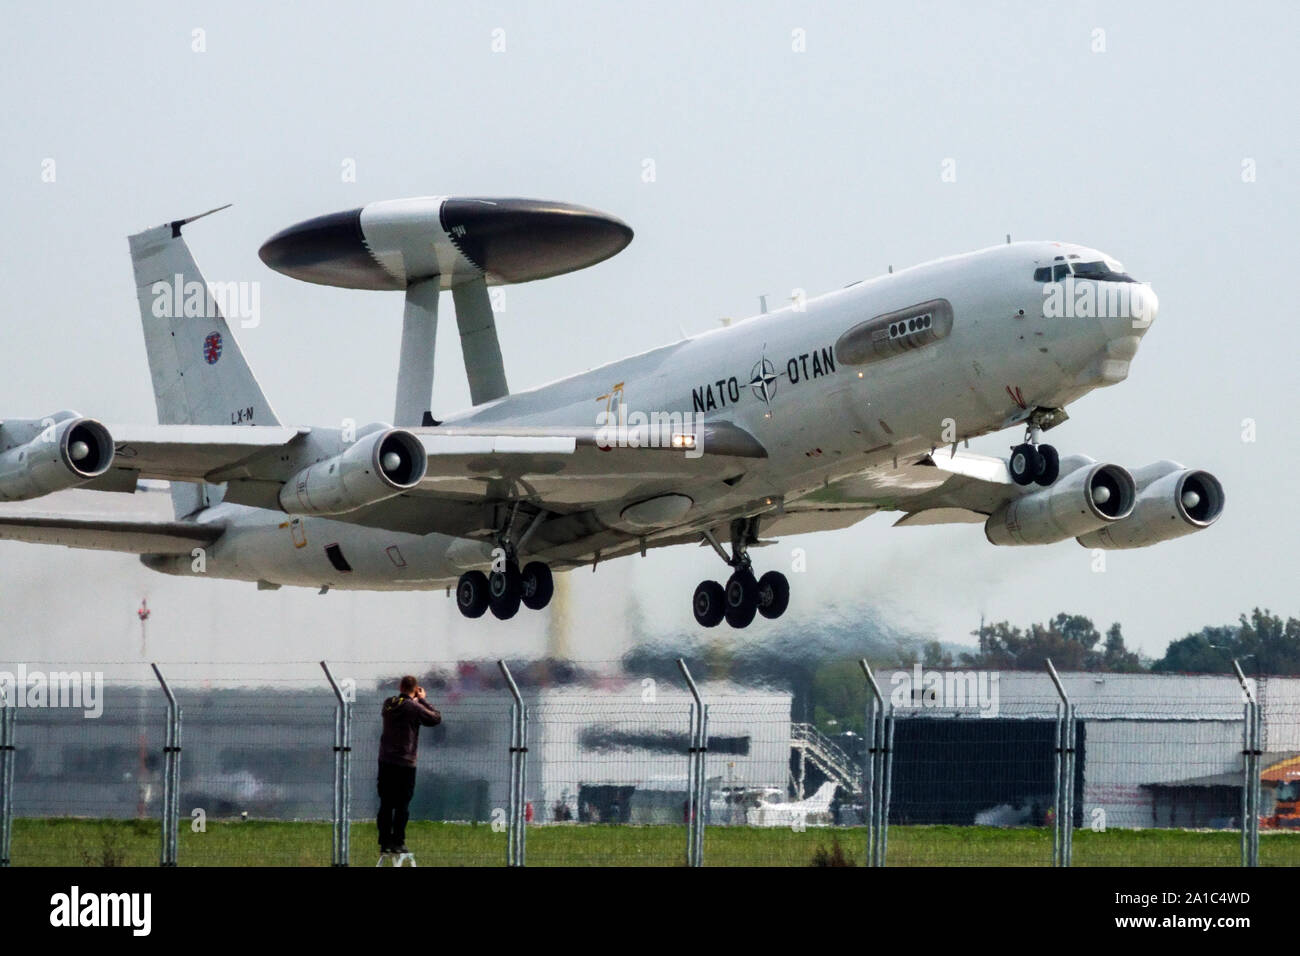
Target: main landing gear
(507,586)
(744,596)
(504,590)
(1031,462)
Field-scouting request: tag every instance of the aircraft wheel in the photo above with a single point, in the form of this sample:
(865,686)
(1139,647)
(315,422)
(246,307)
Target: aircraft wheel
(1026,464)
(773,594)
(709,604)
(472,593)
(505,592)
(742,599)
(536,585)
(1051,465)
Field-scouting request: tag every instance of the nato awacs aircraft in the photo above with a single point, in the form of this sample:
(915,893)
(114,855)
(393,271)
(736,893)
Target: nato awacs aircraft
(794,421)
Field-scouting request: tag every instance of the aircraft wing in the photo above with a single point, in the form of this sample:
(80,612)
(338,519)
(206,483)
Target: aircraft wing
(133,536)
(460,459)
(469,469)
(945,487)
(573,467)
(192,452)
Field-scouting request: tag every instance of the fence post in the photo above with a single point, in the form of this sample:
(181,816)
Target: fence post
(695,773)
(871,780)
(887,783)
(1251,752)
(7,715)
(516,841)
(1071,753)
(171,776)
(1062,844)
(341,851)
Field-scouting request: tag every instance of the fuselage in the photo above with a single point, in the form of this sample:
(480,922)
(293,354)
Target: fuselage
(777,376)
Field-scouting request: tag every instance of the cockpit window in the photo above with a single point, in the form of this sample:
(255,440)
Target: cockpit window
(1052,273)
(1099,271)
(1102,272)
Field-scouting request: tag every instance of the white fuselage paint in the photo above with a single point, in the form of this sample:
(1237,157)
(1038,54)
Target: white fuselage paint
(821,423)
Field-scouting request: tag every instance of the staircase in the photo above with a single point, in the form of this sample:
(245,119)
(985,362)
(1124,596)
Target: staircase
(827,756)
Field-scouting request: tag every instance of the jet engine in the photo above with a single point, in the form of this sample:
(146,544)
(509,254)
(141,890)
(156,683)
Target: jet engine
(1173,501)
(376,467)
(1088,498)
(68,453)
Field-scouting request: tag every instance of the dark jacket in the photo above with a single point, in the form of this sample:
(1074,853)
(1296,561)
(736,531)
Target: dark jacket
(403,717)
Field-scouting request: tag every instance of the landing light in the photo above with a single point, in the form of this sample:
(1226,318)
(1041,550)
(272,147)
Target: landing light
(683,441)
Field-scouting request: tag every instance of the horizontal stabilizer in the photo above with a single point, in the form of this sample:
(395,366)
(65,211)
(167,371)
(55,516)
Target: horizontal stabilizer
(108,534)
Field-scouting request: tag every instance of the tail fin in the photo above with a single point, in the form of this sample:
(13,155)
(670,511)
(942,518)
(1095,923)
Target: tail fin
(200,376)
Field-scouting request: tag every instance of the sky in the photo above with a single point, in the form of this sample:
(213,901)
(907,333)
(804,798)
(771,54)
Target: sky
(756,148)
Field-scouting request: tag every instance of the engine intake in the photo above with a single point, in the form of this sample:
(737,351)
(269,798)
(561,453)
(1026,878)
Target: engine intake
(68,453)
(1181,502)
(377,467)
(1084,500)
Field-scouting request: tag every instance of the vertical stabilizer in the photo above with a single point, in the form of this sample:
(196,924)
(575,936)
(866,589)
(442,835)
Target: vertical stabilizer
(200,376)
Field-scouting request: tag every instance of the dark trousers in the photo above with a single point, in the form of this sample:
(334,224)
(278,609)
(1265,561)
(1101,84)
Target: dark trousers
(396,787)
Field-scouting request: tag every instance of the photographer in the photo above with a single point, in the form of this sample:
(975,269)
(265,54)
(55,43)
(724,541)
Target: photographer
(403,716)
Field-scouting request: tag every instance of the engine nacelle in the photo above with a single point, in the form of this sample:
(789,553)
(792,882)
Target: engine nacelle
(68,453)
(1179,502)
(1084,500)
(378,466)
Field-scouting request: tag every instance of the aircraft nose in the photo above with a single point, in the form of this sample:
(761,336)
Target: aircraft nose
(1144,305)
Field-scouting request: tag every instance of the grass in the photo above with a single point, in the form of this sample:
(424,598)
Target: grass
(85,842)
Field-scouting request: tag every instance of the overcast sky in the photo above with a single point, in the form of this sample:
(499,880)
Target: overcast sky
(792,146)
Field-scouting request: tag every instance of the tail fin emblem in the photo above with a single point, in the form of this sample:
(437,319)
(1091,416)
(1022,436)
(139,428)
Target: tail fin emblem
(212,348)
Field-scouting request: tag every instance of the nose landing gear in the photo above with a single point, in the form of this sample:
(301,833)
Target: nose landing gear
(1031,462)
(743,597)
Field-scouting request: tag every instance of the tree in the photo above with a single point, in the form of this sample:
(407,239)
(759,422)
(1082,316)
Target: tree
(1116,656)
(1069,640)
(934,655)
(1263,642)
(840,693)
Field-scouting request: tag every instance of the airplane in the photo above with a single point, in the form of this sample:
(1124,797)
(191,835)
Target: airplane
(813,811)
(803,419)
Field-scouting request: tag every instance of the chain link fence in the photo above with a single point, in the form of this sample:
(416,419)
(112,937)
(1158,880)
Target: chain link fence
(953,768)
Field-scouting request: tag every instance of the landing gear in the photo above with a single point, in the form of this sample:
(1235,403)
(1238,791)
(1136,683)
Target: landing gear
(1026,464)
(1031,462)
(506,587)
(472,593)
(536,585)
(1051,465)
(773,594)
(744,596)
(709,604)
(505,591)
